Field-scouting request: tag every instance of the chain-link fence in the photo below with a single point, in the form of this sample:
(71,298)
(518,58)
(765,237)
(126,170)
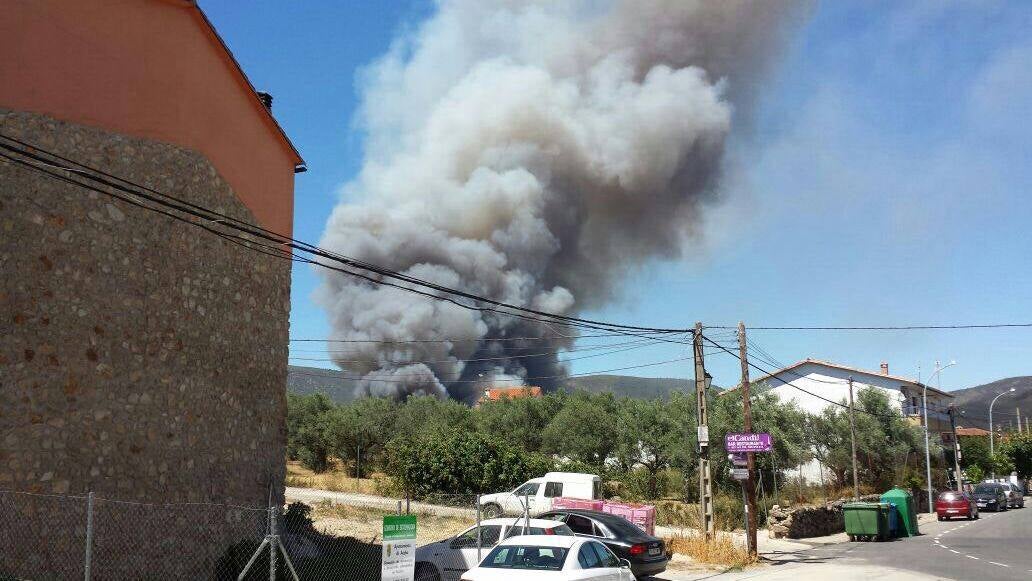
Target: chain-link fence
(57,537)
(320,535)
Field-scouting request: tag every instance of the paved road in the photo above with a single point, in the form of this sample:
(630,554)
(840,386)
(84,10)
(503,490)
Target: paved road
(996,547)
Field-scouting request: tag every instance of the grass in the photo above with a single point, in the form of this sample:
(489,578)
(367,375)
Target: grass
(334,479)
(367,523)
(722,550)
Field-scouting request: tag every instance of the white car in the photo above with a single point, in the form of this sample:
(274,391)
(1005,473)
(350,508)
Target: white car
(540,557)
(539,492)
(448,559)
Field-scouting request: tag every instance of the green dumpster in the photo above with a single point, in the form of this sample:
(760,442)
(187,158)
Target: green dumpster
(866,521)
(907,514)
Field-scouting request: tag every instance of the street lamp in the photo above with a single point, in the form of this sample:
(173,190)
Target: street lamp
(991,453)
(928,453)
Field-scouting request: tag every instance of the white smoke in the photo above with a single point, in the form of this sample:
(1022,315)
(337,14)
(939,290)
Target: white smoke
(535,152)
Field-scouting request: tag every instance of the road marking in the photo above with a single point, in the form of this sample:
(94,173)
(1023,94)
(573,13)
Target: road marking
(970,557)
(952,551)
(1000,564)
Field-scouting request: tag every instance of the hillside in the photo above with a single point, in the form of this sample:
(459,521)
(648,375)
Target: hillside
(309,380)
(974,402)
(630,386)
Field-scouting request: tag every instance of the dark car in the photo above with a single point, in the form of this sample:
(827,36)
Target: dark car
(646,553)
(991,496)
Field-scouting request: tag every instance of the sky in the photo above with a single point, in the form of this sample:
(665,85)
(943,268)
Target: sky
(883,181)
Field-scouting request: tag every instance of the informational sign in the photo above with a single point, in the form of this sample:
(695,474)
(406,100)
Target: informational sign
(703,432)
(739,459)
(740,473)
(398,562)
(745,442)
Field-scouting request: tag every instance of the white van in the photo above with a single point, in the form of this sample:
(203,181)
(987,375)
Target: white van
(539,493)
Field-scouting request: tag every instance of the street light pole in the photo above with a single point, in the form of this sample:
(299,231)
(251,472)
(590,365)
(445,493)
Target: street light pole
(928,451)
(991,450)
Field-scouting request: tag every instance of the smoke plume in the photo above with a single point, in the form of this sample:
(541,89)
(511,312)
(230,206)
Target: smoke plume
(535,152)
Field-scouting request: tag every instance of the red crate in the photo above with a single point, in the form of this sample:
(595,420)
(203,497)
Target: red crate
(642,515)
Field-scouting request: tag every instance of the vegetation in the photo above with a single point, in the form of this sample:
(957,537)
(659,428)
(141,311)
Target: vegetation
(643,449)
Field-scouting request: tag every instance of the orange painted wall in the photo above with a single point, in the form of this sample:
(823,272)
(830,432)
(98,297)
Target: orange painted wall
(152,69)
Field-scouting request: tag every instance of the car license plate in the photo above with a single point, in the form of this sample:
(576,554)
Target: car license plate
(654,551)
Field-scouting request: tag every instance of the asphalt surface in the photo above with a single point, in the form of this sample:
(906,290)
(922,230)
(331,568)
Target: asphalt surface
(998,546)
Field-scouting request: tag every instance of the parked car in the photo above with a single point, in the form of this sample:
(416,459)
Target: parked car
(539,493)
(991,496)
(647,554)
(448,559)
(954,504)
(1015,495)
(550,558)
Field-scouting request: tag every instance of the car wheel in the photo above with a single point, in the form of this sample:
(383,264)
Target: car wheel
(492,510)
(426,572)
(940,518)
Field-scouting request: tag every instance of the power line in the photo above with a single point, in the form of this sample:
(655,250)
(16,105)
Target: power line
(485,339)
(884,328)
(771,375)
(294,244)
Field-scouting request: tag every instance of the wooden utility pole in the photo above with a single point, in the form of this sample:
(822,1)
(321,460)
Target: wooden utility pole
(852,437)
(702,416)
(750,484)
(956,450)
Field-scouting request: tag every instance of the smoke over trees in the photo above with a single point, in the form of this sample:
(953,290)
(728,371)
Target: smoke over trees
(534,153)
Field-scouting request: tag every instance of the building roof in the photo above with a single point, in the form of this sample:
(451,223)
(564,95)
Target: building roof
(850,369)
(972,432)
(242,76)
(497,393)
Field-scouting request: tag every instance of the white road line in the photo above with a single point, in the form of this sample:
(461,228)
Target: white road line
(1000,564)
(952,551)
(970,557)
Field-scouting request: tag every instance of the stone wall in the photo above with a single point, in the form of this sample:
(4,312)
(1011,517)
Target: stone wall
(141,358)
(807,521)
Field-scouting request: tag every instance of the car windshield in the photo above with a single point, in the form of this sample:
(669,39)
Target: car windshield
(985,489)
(526,557)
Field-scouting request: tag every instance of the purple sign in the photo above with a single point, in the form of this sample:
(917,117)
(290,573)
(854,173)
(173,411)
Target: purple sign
(744,442)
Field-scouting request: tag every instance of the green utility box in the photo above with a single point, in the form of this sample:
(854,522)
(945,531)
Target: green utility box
(907,514)
(866,521)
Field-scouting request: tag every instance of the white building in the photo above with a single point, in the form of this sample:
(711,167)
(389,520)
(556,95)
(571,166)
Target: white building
(811,383)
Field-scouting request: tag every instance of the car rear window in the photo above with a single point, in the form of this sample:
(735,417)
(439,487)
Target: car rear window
(986,488)
(623,528)
(526,557)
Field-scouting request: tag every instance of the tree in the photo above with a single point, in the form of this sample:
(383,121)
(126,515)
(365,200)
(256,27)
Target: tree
(520,420)
(307,427)
(460,463)
(357,432)
(1018,450)
(649,436)
(584,430)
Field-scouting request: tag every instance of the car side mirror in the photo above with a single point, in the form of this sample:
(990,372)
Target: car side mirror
(625,564)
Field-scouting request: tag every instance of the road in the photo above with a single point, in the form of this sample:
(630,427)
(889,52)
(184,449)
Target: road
(996,547)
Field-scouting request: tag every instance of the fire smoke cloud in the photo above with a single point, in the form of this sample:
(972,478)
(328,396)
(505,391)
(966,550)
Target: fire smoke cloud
(535,152)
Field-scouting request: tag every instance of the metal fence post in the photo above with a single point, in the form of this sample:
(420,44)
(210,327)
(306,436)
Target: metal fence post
(273,536)
(480,540)
(89,537)
(526,512)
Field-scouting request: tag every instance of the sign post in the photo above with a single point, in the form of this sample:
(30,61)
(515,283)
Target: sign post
(398,561)
(741,447)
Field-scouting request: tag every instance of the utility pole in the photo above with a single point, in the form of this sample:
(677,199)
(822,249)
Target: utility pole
(956,449)
(852,438)
(750,484)
(702,415)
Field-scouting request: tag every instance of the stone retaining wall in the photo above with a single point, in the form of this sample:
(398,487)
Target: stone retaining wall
(801,522)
